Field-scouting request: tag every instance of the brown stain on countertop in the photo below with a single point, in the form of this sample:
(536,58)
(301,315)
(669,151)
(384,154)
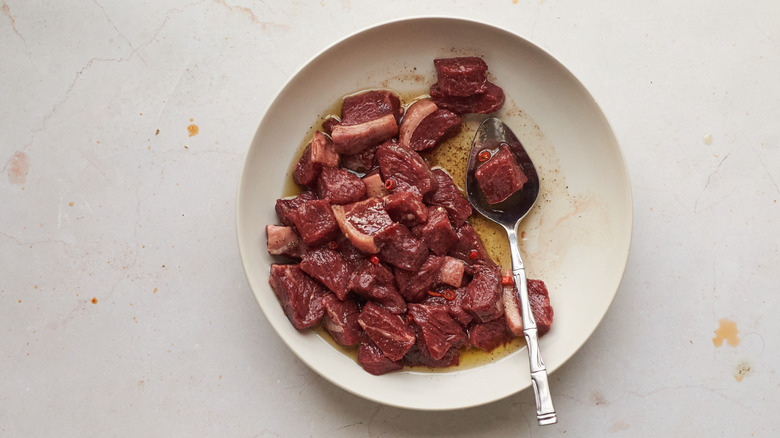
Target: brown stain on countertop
(17,167)
(743,369)
(192,129)
(726,331)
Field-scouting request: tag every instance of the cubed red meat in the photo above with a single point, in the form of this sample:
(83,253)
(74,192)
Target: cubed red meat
(440,331)
(286,205)
(341,320)
(417,111)
(405,167)
(541,308)
(315,222)
(414,285)
(500,176)
(469,247)
(400,248)
(300,295)
(362,221)
(484,103)
(367,119)
(319,153)
(329,268)
(373,360)
(435,129)
(406,208)
(340,186)
(388,331)
(375,282)
(484,299)
(437,233)
(462,76)
(489,335)
(449,196)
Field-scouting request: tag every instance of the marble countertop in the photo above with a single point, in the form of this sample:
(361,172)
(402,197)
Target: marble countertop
(124,308)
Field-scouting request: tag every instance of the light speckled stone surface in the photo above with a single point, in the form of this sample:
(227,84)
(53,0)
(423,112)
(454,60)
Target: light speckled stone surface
(124,310)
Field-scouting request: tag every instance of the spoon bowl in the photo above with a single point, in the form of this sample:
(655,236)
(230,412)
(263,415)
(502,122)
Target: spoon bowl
(491,135)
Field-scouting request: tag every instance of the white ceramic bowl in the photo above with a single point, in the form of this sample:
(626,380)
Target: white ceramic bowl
(577,238)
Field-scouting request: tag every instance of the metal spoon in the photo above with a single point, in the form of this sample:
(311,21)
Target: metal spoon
(508,213)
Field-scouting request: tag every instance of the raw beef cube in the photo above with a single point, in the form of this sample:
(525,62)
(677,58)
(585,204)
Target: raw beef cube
(541,308)
(340,186)
(406,208)
(448,196)
(469,247)
(388,331)
(484,103)
(405,167)
(440,331)
(362,221)
(370,105)
(438,233)
(360,162)
(284,241)
(539,300)
(330,268)
(489,335)
(454,306)
(452,271)
(375,282)
(367,119)
(352,255)
(371,358)
(414,286)
(375,187)
(300,296)
(341,320)
(318,154)
(419,355)
(286,205)
(484,299)
(500,176)
(414,115)
(400,248)
(315,222)
(461,76)
(435,129)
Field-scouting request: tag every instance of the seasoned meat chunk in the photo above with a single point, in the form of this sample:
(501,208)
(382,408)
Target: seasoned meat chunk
(405,167)
(330,268)
(315,222)
(414,115)
(388,331)
(489,335)
(500,176)
(286,205)
(484,103)
(375,282)
(362,221)
(437,232)
(341,320)
(340,186)
(373,360)
(406,207)
(440,331)
(484,299)
(469,247)
(367,119)
(319,153)
(400,248)
(300,296)
(435,129)
(414,285)
(449,196)
(462,76)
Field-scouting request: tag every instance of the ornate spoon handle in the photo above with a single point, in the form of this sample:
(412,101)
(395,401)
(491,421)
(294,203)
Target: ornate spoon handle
(545,411)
